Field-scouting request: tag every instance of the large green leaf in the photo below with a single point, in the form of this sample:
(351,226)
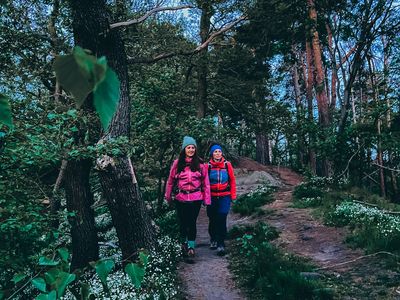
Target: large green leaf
(64,254)
(39,283)
(50,296)
(44,261)
(79,73)
(103,268)
(18,277)
(5,111)
(62,282)
(51,276)
(106,97)
(135,273)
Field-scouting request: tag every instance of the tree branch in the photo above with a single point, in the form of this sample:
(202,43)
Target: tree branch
(148,14)
(200,47)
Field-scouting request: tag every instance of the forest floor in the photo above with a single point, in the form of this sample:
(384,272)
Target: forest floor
(351,273)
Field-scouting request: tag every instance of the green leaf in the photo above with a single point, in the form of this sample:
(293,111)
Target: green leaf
(51,276)
(135,273)
(106,97)
(103,268)
(62,282)
(39,283)
(85,292)
(79,73)
(50,296)
(18,277)
(5,111)
(44,261)
(1,295)
(64,254)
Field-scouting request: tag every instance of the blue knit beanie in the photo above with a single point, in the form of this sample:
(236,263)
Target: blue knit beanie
(188,140)
(215,147)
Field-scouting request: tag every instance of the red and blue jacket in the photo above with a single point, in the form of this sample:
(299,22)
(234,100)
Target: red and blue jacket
(222,179)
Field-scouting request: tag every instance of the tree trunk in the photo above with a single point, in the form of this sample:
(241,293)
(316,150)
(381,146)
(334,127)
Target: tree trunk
(334,77)
(393,177)
(310,108)
(79,200)
(128,210)
(130,217)
(320,89)
(202,69)
(319,82)
(299,110)
(262,149)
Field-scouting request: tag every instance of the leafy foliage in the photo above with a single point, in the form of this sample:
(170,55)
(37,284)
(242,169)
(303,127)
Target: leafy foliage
(81,73)
(266,273)
(249,203)
(5,111)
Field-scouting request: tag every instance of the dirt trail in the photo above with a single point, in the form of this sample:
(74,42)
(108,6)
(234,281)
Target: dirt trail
(300,234)
(303,235)
(208,278)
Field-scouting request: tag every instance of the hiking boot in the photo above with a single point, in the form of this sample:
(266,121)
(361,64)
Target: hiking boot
(213,245)
(184,248)
(190,253)
(221,251)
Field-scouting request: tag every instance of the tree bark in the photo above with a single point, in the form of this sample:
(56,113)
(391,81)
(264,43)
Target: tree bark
(79,199)
(91,21)
(262,149)
(320,89)
(202,69)
(319,81)
(334,77)
(309,79)
(379,131)
(299,109)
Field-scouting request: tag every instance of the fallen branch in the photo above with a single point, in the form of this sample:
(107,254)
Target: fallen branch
(374,205)
(356,259)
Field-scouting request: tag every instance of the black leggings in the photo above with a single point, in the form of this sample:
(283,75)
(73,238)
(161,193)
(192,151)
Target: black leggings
(187,215)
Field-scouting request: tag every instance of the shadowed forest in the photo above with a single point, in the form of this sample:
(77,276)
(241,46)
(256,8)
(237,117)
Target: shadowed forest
(96,96)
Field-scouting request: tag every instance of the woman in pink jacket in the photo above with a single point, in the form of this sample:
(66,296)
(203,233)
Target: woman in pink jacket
(189,175)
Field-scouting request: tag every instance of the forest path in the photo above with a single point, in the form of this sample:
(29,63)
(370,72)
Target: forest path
(360,277)
(208,277)
(300,234)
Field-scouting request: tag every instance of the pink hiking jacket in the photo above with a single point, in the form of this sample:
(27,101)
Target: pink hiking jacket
(189,181)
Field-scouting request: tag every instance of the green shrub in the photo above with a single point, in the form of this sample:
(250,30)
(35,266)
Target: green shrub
(250,203)
(267,273)
(168,224)
(372,227)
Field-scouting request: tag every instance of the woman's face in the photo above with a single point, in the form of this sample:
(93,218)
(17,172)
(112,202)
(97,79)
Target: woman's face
(190,150)
(217,154)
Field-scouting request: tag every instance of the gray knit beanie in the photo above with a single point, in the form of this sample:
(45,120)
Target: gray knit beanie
(188,140)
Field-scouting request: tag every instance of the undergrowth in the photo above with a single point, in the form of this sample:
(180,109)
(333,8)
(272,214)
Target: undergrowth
(251,203)
(267,273)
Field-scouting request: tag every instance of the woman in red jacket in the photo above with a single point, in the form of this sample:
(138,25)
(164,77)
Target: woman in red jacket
(223,191)
(189,175)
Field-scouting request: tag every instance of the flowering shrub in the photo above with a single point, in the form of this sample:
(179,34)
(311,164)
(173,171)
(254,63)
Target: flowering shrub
(382,230)
(308,202)
(311,192)
(249,203)
(159,282)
